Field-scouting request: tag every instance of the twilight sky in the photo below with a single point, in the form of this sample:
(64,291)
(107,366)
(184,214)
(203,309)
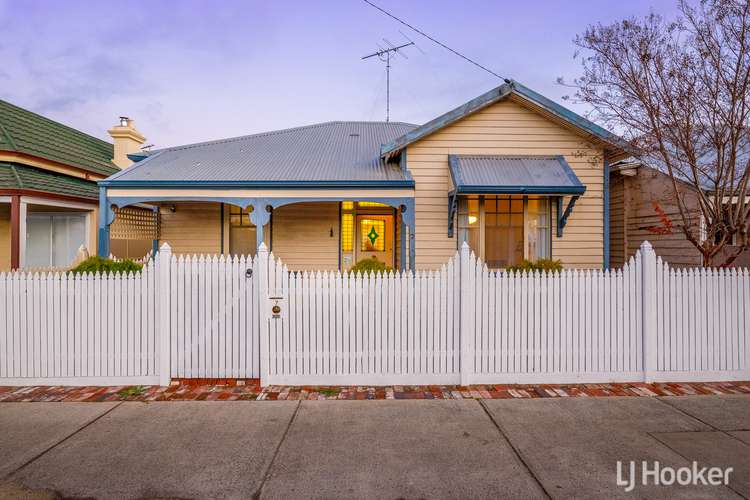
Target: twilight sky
(189,71)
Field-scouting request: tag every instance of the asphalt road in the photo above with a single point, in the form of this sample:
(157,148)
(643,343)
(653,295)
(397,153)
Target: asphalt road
(559,448)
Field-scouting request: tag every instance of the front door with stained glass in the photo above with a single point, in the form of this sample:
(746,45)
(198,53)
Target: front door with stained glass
(374,238)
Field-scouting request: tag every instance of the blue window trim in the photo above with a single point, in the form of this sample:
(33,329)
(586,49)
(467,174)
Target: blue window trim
(562,215)
(452,209)
(606,213)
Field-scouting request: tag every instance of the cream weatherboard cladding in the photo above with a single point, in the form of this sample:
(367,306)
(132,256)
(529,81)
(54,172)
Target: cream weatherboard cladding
(193,227)
(506,128)
(301,232)
(302,235)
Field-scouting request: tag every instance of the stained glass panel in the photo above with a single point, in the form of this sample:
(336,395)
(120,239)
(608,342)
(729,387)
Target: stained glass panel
(347,232)
(372,235)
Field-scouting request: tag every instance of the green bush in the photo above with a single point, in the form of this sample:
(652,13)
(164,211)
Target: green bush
(548,265)
(372,266)
(101,265)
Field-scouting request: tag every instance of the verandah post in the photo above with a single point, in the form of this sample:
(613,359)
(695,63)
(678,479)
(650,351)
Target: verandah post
(264,320)
(466,291)
(163,269)
(648,301)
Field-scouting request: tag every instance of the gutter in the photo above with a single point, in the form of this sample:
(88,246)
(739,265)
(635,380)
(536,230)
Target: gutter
(406,183)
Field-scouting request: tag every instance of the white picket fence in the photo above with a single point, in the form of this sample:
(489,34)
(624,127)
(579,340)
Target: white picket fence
(351,329)
(572,326)
(63,329)
(214,324)
(213,317)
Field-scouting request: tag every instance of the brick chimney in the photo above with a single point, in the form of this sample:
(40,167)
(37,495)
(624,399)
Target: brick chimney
(127,141)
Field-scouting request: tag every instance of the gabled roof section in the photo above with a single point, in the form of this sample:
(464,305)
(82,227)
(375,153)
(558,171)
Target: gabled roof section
(15,176)
(504,91)
(324,154)
(502,174)
(25,132)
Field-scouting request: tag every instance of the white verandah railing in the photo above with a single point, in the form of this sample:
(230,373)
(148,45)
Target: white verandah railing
(212,317)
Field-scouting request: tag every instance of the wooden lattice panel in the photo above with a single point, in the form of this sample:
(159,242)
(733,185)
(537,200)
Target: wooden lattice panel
(134,223)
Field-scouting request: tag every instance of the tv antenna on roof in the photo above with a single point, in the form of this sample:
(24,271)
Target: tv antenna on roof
(385,54)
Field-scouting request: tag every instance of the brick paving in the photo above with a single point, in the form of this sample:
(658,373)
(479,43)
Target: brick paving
(249,390)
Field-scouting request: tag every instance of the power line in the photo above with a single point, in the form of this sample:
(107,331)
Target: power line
(435,41)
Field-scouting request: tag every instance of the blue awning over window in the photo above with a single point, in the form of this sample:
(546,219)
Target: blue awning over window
(500,174)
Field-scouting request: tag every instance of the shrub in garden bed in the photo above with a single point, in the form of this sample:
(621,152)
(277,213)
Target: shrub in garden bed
(548,265)
(372,266)
(101,265)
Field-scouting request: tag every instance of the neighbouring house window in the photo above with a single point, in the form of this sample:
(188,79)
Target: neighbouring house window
(372,235)
(504,230)
(53,240)
(241,231)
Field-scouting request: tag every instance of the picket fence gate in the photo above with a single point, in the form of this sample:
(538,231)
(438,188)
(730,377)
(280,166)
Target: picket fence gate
(250,317)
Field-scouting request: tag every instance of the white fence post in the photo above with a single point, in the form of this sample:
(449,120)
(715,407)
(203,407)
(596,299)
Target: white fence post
(466,331)
(648,301)
(163,266)
(264,321)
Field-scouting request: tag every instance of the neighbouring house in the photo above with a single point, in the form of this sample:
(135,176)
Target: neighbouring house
(48,194)
(643,207)
(511,172)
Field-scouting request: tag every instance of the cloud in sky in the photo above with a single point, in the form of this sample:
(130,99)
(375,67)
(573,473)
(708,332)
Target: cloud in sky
(196,70)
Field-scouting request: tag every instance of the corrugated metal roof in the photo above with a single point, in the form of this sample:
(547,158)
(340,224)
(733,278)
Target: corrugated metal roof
(332,151)
(513,174)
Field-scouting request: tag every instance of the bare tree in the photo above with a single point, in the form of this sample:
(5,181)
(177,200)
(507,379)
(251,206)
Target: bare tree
(680,93)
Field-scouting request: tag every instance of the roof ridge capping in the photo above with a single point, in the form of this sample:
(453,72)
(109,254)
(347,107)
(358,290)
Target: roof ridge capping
(279,131)
(491,97)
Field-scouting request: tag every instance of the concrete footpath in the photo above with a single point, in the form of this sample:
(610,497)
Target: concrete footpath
(540,448)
